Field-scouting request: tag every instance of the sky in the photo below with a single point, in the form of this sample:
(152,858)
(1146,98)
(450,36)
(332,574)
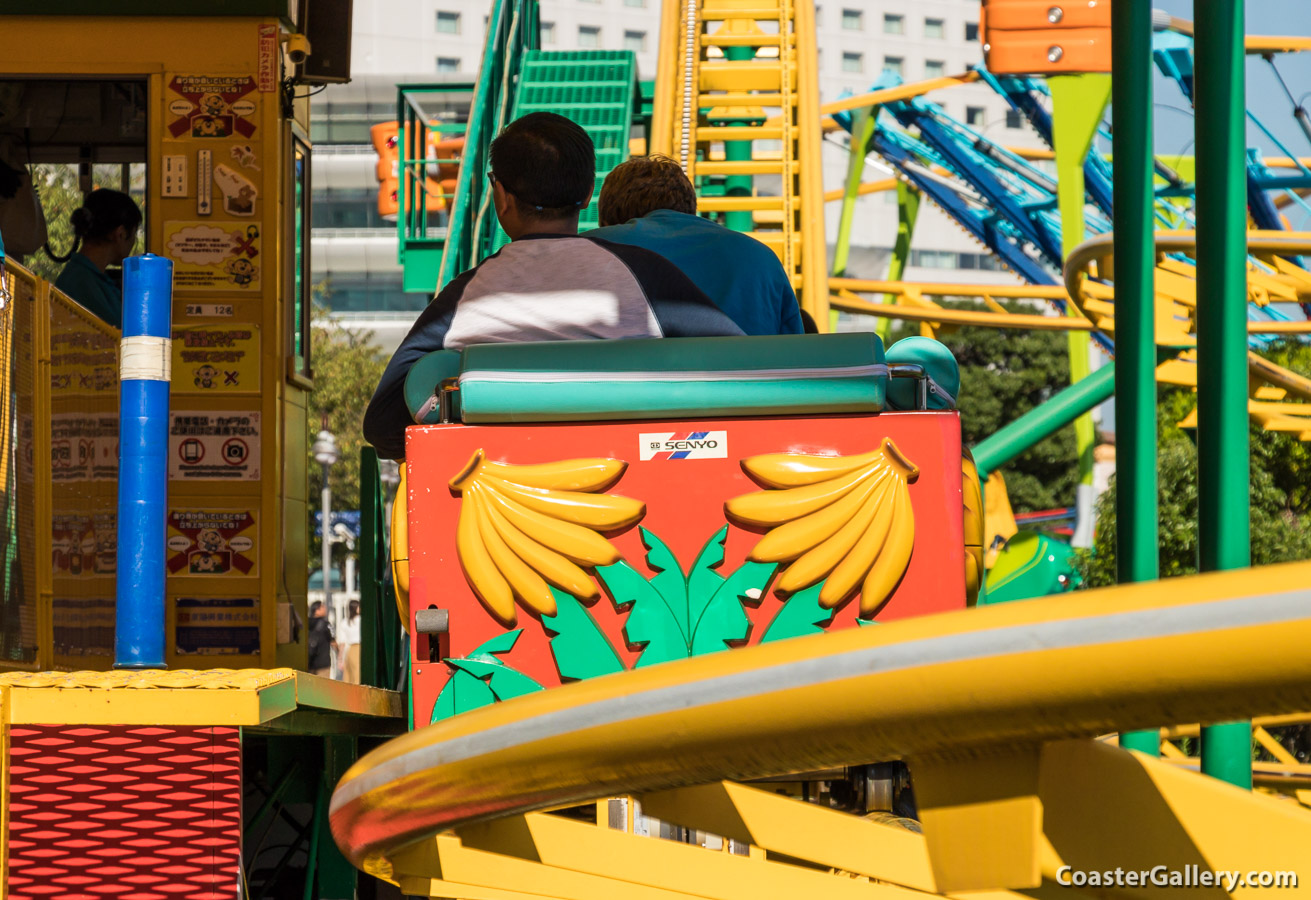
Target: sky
(1265,98)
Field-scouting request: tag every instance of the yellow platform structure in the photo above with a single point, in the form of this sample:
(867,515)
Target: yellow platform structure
(203,120)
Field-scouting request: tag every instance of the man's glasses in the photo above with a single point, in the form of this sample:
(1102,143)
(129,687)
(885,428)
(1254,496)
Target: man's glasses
(491,176)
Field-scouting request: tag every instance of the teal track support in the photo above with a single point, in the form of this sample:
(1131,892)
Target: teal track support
(1136,512)
(999,448)
(1223,474)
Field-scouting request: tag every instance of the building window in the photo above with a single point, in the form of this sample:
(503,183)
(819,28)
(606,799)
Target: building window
(447,64)
(1012,119)
(971,31)
(894,24)
(548,32)
(895,65)
(637,3)
(934,68)
(853,62)
(635,41)
(933,28)
(974,116)
(589,37)
(448,22)
(934,259)
(853,20)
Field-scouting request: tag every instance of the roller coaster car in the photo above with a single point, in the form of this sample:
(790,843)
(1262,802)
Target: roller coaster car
(584,507)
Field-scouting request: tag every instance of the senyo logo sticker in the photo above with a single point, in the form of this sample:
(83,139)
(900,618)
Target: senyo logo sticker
(684,445)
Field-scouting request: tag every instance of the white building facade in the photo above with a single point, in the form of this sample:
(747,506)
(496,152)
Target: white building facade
(441,40)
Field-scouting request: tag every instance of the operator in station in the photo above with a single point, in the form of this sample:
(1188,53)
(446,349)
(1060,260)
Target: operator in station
(549,283)
(649,202)
(105,231)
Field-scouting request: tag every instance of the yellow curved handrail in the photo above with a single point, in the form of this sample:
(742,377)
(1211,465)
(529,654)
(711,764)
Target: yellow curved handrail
(1202,648)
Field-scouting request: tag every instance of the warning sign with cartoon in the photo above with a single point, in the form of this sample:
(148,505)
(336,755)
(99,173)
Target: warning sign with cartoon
(84,544)
(213,446)
(212,106)
(73,544)
(211,542)
(213,359)
(217,257)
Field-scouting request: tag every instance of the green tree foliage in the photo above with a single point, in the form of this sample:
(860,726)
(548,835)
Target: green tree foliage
(1004,374)
(1281,508)
(347,367)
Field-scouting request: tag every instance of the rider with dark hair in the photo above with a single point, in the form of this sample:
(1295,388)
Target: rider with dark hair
(548,284)
(649,202)
(105,230)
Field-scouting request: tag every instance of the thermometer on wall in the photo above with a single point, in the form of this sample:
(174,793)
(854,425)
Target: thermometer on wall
(204,182)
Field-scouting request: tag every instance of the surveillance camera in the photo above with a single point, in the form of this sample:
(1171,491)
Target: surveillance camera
(298,48)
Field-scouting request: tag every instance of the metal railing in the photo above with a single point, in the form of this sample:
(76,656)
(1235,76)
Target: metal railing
(512,30)
(58,479)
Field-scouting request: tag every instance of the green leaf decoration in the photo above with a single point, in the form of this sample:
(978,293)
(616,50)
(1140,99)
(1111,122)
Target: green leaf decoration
(704,582)
(481,679)
(462,693)
(506,682)
(724,621)
(801,615)
(580,649)
(651,624)
(501,643)
(668,579)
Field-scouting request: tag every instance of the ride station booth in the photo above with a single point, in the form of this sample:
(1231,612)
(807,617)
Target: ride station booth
(209,776)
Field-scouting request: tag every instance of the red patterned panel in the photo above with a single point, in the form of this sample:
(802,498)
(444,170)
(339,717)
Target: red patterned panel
(124,812)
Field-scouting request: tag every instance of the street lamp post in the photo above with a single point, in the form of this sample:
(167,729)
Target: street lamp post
(325,453)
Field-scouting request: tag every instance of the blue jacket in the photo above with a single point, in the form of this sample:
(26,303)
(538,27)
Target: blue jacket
(742,275)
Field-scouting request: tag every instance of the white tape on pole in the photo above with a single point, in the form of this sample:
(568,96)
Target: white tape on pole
(145,358)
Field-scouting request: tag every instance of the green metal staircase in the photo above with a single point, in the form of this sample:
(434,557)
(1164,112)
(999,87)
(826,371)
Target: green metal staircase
(595,88)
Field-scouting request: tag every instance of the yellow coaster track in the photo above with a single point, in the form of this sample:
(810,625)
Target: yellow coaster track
(754,61)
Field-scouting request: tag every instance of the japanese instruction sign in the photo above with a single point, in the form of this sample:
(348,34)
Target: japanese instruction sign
(214,257)
(83,447)
(214,445)
(216,359)
(216,626)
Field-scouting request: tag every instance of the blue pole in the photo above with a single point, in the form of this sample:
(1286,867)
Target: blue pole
(144,363)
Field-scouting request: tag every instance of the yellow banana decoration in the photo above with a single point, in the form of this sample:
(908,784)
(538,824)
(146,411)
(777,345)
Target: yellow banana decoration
(523,528)
(845,520)
(788,470)
(566,475)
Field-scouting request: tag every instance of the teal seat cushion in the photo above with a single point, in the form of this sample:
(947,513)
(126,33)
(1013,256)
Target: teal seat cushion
(672,378)
(939,365)
(422,381)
